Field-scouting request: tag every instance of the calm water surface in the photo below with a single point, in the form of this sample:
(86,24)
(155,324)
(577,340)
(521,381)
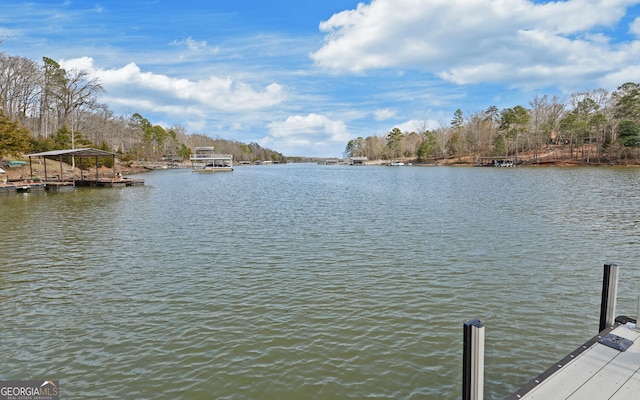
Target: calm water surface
(310,282)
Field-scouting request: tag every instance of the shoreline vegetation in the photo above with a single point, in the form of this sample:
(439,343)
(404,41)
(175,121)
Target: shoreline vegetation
(49,108)
(589,128)
(548,159)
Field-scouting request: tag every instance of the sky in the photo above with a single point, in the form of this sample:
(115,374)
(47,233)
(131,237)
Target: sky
(305,77)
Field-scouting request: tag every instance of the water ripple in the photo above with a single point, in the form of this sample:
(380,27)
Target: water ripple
(291,282)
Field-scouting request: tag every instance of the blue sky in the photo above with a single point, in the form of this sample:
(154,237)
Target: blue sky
(303,78)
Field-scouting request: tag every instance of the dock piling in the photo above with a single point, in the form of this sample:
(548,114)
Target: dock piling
(473,360)
(609,296)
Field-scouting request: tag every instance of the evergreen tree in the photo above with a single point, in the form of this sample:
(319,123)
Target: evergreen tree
(629,133)
(14,138)
(627,102)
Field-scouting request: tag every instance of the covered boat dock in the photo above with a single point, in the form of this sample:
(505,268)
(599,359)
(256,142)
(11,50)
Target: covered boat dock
(205,159)
(57,180)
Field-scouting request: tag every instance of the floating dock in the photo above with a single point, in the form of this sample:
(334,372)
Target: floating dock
(65,186)
(607,366)
(60,186)
(22,187)
(109,183)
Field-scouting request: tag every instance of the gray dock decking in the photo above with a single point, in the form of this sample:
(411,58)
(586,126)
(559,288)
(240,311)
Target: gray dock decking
(597,372)
(607,366)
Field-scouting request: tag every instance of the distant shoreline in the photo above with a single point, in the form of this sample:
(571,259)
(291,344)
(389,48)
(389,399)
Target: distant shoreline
(17,174)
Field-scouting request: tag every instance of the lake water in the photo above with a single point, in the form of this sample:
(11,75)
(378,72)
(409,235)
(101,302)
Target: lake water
(303,281)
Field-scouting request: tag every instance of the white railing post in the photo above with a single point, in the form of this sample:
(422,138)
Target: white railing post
(609,295)
(473,361)
(638,313)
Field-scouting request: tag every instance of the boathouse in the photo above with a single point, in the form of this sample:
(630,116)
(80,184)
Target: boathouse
(358,160)
(205,159)
(57,178)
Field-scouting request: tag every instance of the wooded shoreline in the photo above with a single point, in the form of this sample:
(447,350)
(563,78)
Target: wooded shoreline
(23,173)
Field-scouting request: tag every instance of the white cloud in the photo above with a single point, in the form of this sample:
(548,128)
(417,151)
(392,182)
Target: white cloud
(315,133)
(196,125)
(416,125)
(80,63)
(195,46)
(629,74)
(149,91)
(517,42)
(384,114)
(634,27)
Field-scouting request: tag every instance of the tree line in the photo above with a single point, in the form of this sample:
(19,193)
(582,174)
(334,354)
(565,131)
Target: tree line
(590,127)
(46,107)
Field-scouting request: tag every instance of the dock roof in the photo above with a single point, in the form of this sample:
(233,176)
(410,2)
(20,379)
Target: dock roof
(88,152)
(79,153)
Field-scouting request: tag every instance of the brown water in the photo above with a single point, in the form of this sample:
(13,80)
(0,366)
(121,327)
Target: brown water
(307,281)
